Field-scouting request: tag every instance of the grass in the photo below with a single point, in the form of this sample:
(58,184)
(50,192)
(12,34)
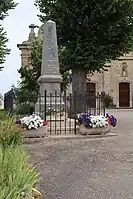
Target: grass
(16,176)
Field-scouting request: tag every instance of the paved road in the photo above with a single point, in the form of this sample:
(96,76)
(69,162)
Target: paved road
(88,168)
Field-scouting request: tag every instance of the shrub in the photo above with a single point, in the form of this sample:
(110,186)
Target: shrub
(10,133)
(107,100)
(16,177)
(3,115)
(25,109)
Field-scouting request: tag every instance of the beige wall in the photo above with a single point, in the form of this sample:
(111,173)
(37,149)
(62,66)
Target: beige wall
(108,81)
(97,78)
(25,57)
(24,48)
(116,78)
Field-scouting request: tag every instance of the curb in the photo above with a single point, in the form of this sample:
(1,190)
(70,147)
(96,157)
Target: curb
(79,136)
(72,137)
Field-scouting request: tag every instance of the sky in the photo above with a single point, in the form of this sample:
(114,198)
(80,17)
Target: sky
(17,27)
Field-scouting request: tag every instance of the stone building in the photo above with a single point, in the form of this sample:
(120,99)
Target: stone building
(117,81)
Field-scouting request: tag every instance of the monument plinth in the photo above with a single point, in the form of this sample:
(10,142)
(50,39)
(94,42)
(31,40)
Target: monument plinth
(50,78)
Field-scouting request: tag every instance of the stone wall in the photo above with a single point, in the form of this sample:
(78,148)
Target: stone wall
(97,78)
(24,48)
(108,81)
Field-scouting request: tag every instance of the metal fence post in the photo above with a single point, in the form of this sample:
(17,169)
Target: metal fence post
(75,113)
(39,105)
(56,110)
(45,105)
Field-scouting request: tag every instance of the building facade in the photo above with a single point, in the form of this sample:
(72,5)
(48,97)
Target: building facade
(117,81)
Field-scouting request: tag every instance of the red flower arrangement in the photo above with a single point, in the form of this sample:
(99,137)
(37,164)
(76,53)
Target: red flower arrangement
(45,123)
(111,120)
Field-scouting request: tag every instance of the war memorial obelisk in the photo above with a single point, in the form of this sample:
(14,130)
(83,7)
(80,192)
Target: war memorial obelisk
(50,78)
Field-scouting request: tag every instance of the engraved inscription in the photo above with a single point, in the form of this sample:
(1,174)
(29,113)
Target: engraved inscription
(52,63)
(52,66)
(50,44)
(52,70)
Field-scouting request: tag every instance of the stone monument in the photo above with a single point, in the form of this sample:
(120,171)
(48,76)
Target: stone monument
(50,78)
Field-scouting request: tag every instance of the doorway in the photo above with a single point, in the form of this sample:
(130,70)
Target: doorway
(124,94)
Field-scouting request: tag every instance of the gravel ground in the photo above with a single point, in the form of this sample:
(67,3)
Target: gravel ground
(99,168)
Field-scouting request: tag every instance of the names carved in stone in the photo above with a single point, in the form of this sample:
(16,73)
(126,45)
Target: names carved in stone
(53,66)
(50,43)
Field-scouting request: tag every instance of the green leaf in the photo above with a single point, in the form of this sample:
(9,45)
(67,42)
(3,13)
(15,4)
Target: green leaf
(5,6)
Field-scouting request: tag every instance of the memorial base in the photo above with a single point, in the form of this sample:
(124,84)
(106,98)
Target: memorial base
(45,106)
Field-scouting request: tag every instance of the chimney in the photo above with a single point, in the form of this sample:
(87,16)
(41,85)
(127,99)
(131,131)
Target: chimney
(32,34)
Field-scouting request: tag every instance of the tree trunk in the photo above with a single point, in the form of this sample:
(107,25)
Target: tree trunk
(79,89)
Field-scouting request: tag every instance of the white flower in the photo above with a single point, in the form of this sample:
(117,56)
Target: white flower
(33,121)
(97,121)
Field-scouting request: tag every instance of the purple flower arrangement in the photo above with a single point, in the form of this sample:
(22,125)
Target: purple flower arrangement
(84,119)
(111,120)
(18,122)
(91,121)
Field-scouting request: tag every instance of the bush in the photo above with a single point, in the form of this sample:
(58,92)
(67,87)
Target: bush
(107,100)
(10,133)
(16,177)
(25,109)
(3,115)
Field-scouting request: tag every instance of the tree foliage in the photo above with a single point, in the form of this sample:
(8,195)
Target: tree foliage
(5,6)
(31,73)
(3,49)
(94,33)
(28,89)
